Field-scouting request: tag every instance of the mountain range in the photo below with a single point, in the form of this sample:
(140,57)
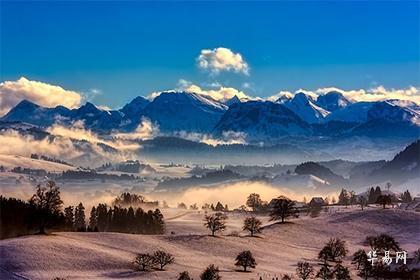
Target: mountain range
(301,115)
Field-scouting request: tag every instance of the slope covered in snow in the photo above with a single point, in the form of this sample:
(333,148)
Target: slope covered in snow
(11,161)
(305,107)
(279,248)
(332,101)
(261,120)
(184,111)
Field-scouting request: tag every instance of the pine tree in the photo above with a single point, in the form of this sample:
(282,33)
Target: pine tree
(79,218)
(344,197)
(93,220)
(69,218)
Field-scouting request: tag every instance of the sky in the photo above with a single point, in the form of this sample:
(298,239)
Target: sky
(110,52)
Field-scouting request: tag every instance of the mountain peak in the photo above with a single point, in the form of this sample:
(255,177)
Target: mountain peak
(233,100)
(332,100)
(135,106)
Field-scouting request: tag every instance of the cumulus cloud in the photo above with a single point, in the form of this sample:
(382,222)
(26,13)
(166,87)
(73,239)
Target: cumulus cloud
(12,92)
(222,59)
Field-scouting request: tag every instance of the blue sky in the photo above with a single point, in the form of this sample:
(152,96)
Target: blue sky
(126,49)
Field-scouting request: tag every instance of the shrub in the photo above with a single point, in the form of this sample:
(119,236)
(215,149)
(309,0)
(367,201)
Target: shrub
(184,276)
(211,273)
(304,270)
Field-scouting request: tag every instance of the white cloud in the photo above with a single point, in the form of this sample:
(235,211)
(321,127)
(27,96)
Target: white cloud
(12,92)
(228,138)
(282,93)
(220,94)
(377,93)
(145,130)
(222,59)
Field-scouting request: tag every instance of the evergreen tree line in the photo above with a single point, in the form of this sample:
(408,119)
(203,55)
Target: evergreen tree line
(43,211)
(131,220)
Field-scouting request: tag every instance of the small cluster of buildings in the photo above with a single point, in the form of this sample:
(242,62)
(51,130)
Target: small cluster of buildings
(411,206)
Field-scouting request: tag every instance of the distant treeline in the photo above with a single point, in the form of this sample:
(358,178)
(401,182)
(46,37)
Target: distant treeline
(129,166)
(33,172)
(91,175)
(208,178)
(42,157)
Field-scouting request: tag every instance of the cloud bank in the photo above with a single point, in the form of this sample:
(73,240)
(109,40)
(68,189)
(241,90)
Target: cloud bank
(379,93)
(222,59)
(12,92)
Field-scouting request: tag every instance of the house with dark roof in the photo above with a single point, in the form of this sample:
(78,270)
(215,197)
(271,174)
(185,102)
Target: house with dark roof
(316,202)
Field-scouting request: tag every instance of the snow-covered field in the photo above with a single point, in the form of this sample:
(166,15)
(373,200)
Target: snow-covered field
(11,161)
(277,249)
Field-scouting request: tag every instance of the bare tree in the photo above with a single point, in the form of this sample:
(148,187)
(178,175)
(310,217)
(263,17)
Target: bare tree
(143,261)
(215,222)
(304,270)
(245,259)
(254,201)
(283,208)
(362,201)
(162,259)
(47,200)
(253,225)
(333,251)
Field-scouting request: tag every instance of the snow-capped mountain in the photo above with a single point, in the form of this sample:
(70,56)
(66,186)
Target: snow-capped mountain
(92,116)
(184,111)
(332,101)
(304,106)
(261,120)
(134,108)
(356,112)
(284,97)
(366,111)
